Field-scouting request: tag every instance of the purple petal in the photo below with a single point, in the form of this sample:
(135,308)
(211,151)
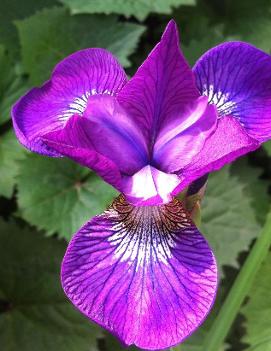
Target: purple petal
(180,141)
(41,110)
(144,273)
(227,143)
(104,128)
(161,88)
(113,134)
(73,141)
(237,79)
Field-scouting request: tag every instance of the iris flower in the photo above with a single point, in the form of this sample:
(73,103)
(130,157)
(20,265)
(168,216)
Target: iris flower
(142,269)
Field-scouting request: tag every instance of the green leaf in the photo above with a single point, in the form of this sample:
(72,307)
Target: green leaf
(201,34)
(199,46)
(138,8)
(58,195)
(10,153)
(11,10)
(34,313)
(239,290)
(113,344)
(12,86)
(5,67)
(267,147)
(229,217)
(52,34)
(258,311)
(254,186)
(256,31)
(249,21)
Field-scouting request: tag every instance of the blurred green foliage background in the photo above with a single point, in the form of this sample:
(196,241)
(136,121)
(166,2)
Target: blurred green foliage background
(44,201)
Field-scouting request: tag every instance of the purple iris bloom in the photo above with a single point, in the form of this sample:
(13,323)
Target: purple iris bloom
(142,270)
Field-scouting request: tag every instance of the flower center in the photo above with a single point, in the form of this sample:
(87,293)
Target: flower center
(146,233)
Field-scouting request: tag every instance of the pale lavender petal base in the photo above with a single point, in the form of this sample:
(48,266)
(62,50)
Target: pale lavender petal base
(144,273)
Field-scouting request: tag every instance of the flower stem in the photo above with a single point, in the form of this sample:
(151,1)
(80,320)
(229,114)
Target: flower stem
(222,324)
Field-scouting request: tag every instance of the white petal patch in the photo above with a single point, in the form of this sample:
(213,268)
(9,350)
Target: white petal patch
(148,183)
(138,230)
(219,99)
(79,104)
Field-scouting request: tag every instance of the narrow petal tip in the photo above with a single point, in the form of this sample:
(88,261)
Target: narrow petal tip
(171,29)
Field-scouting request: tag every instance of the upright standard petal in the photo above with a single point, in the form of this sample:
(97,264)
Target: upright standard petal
(237,79)
(80,75)
(144,273)
(161,88)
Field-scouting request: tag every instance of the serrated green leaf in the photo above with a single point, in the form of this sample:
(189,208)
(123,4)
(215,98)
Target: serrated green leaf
(5,67)
(229,219)
(256,31)
(267,147)
(12,86)
(34,313)
(10,153)
(112,344)
(199,46)
(11,10)
(254,186)
(258,311)
(138,8)
(58,195)
(202,35)
(250,22)
(52,34)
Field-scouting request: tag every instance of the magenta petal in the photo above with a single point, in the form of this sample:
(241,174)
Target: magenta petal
(237,79)
(227,143)
(105,129)
(73,141)
(162,86)
(146,274)
(179,141)
(114,135)
(41,110)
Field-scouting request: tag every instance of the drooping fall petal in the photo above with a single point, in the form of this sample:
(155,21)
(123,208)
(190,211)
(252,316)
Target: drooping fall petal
(80,75)
(144,273)
(236,77)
